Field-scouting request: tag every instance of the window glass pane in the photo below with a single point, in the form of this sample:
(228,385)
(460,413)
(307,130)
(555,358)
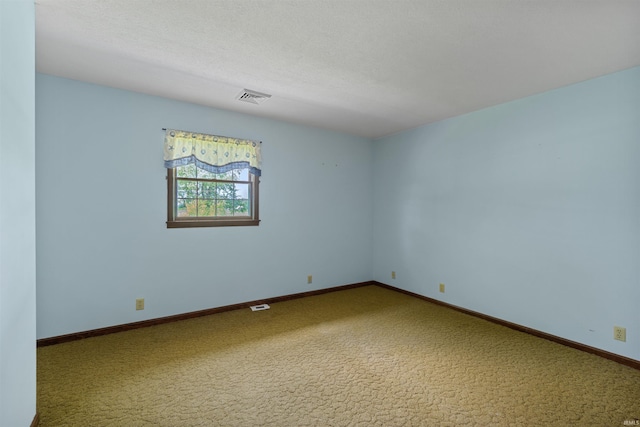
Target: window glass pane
(243,175)
(187,207)
(242,191)
(225,208)
(242,207)
(187,189)
(228,176)
(225,191)
(206,207)
(207,190)
(205,174)
(187,171)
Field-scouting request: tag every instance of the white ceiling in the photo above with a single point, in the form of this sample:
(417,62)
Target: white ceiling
(365,67)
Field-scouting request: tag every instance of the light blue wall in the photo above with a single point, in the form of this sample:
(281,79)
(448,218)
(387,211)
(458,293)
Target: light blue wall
(17,215)
(101,211)
(528,211)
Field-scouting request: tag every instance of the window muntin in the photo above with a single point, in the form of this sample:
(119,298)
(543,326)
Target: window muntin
(200,198)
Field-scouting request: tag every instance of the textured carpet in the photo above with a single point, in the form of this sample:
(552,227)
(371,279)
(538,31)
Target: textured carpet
(361,357)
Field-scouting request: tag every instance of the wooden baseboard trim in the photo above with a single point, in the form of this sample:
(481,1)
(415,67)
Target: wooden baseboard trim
(43,342)
(598,352)
(36,420)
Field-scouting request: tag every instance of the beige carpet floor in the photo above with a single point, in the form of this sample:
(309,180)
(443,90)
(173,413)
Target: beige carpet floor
(361,357)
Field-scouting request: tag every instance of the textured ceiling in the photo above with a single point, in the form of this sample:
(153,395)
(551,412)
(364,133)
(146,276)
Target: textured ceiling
(369,68)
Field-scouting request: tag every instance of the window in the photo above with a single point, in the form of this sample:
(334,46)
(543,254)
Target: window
(199,198)
(211,181)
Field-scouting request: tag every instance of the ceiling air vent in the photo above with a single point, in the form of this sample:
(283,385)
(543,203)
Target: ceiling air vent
(252,97)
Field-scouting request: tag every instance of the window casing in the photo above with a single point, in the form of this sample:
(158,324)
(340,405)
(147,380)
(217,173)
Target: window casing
(212,180)
(199,198)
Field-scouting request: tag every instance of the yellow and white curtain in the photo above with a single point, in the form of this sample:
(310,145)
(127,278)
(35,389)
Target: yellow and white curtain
(214,153)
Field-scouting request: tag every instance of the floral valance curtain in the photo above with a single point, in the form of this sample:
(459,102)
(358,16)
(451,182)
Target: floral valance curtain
(216,154)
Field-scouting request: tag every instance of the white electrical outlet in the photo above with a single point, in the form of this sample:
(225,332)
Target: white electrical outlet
(620,333)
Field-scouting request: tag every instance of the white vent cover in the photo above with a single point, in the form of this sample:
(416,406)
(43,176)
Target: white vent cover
(252,96)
